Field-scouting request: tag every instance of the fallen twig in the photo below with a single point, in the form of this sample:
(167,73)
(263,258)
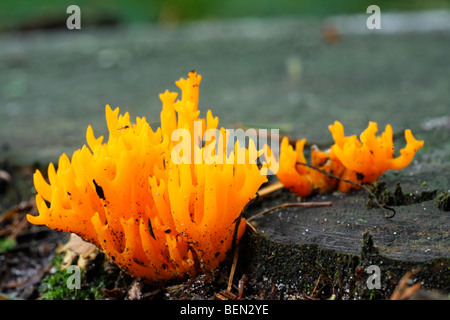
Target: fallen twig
(268,190)
(294,204)
(227,294)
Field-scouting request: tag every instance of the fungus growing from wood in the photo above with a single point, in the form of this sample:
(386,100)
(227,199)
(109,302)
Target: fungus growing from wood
(360,161)
(155,216)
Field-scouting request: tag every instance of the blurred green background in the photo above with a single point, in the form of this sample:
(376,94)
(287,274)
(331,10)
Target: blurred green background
(284,64)
(32,14)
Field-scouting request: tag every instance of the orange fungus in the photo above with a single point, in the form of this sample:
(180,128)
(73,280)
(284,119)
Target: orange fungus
(361,160)
(154,201)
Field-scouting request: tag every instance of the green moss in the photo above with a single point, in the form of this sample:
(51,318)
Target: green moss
(93,281)
(373,294)
(7,244)
(443,201)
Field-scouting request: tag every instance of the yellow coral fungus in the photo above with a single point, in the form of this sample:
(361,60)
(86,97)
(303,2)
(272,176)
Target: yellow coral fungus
(294,177)
(359,161)
(371,156)
(157,217)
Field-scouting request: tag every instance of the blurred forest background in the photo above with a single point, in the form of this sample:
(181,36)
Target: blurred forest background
(277,64)
(32,14)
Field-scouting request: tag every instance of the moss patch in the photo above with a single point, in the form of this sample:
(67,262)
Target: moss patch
(443,201)
(397,197)
(93,281)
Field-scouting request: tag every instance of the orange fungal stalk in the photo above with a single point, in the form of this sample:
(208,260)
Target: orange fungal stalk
(157,210)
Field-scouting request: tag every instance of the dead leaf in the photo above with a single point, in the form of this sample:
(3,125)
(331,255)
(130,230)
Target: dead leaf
(403,291)
(135,291)
(77,247)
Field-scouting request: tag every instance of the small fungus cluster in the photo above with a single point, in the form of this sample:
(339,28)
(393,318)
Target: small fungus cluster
(156,217)
(359,161)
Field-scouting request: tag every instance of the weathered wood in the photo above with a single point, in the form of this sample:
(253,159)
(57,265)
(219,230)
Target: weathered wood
(334,242)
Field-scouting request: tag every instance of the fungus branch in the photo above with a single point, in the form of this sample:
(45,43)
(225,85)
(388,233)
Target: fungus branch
(374,198)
